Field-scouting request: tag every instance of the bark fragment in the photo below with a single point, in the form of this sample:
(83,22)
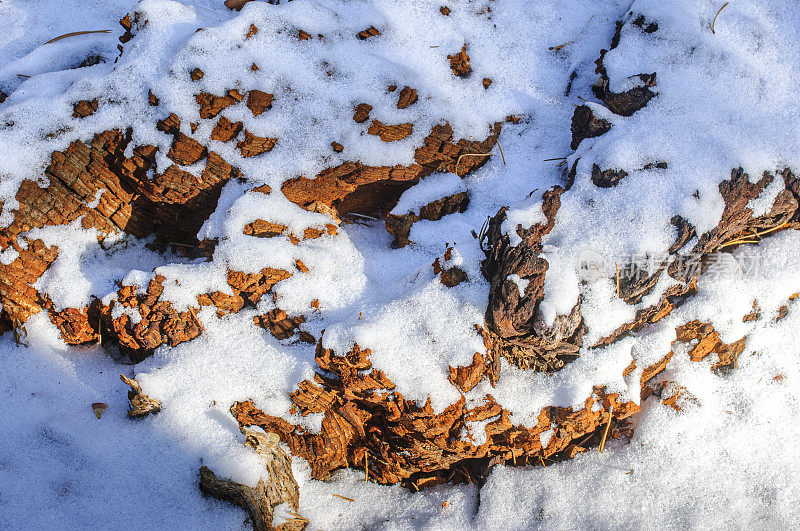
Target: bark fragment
(259,101)
(84,108)
(390,133)
(253,145)
(367,33)
(362,111)
(586,125)
(408,96)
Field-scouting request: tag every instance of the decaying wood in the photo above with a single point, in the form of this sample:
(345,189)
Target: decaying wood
(364,414)
(353,187)
(586,125)
(449,274)
(141,404)
(282,326)
(172,206)
(276,487)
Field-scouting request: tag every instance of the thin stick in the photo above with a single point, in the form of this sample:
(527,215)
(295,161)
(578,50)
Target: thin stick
(555,158)
(24,76)
(608,427)
(366,466)
(501,152)
(74,33)
(342,497)
(715,17)
(617,268)
(469,155)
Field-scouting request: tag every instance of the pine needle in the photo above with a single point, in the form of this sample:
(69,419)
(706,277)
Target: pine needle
(501,152)
(75,33)
(366,466)
(608,427)
(715,17)
(469,155)
(342,497)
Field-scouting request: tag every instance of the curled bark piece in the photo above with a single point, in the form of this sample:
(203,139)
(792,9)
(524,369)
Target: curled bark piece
(141,404)
(260,501)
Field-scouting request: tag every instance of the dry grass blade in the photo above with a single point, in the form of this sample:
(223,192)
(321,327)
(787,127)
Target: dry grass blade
(501,152)
(715,17)
(343,497)
(75,33)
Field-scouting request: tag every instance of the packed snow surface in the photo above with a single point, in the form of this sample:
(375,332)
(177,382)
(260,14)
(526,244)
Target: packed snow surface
(724,100)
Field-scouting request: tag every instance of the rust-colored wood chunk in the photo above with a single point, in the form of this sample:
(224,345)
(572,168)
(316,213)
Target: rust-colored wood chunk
(196,74)
(264,229)
(211,105)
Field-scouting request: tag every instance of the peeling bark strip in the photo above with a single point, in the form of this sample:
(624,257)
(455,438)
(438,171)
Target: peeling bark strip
(276,487)
(365,415)
(374,190)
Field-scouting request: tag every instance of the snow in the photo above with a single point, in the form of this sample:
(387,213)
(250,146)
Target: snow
(724,100)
